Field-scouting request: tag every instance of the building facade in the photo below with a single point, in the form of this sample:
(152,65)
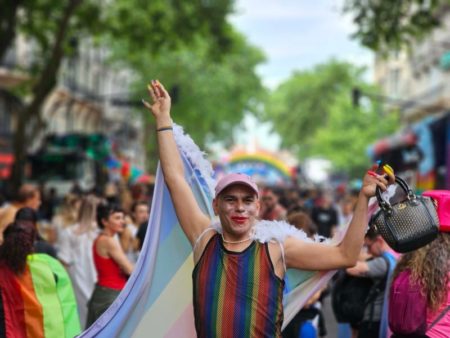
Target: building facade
(417,84)
(91,96)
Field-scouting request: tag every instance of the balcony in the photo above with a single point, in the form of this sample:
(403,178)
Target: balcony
(9,75)
(433,101)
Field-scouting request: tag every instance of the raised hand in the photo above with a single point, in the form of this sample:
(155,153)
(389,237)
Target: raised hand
(161,102)
(372,180)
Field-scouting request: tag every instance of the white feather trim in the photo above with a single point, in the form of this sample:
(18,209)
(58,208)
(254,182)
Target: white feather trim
(267,231)
(264,231)
(197,157)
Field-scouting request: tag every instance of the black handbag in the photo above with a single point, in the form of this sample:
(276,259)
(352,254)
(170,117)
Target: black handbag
(406,225)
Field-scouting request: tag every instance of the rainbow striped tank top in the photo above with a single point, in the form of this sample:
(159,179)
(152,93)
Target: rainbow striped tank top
(237,294)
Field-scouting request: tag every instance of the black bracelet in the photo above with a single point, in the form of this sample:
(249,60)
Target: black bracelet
(165,128)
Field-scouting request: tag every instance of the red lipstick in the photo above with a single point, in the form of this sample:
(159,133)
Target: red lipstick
(238,219)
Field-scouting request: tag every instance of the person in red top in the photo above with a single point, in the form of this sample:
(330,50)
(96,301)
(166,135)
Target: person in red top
(111,263)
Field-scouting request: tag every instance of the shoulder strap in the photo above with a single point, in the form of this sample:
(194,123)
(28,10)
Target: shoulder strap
(388,262)
(377,287)
(200,237)
(438,318)
(388,270)
(282,256)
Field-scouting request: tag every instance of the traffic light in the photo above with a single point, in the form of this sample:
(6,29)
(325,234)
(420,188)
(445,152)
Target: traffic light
(356,95)
(174,93)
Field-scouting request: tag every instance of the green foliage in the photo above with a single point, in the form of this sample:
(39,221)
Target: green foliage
(191,48)
(189,45)
(210,97)
(301,103)
(384,25)
(38,22)
(348,133)
(313,113)
(157,25)
(138,25)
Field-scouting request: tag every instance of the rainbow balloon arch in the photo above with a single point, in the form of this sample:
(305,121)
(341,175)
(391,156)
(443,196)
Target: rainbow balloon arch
(265,167)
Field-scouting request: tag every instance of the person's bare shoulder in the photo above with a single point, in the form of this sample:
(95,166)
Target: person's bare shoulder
(105,244)
(7,215)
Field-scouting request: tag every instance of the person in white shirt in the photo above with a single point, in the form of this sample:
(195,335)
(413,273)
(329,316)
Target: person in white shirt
(75,252)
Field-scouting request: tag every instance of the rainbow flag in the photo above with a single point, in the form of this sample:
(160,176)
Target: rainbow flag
(157,299)
(38,303)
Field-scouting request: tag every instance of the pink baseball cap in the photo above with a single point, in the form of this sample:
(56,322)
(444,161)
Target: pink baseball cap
(235,178)
(442,198)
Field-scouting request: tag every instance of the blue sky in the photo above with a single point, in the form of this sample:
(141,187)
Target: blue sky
(294,35)
(298,34)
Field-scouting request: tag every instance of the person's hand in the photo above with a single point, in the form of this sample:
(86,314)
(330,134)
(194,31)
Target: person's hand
(372,180)
(360,269)
(161,102)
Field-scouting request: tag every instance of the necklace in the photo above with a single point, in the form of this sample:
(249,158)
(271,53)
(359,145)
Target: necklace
(235,242)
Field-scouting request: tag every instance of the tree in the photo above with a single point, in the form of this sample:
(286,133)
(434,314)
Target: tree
(8,24)
(51,37)
(314,114)
(385,25)
(51,25)
(347,134)
(210,96)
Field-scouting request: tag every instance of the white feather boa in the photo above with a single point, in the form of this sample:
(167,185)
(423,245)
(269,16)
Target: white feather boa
(263,231)
(269,231)
(197,157)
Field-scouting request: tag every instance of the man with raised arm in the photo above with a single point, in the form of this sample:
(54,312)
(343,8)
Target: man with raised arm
(237,280)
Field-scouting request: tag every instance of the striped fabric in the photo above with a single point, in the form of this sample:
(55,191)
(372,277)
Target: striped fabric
(38,303)
(237,294)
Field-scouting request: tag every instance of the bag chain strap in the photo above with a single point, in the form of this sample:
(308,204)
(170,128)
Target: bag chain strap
(438,318)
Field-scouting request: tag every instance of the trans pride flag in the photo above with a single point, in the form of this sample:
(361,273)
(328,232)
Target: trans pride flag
(157,299)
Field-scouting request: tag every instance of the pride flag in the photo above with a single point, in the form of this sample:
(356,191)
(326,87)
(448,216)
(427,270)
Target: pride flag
(38,303)
(157,299)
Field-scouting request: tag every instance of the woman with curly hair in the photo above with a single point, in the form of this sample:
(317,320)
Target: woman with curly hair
(429,268)
(421,282)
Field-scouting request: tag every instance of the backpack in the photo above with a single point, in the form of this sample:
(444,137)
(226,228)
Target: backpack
(408,307)
(351,295)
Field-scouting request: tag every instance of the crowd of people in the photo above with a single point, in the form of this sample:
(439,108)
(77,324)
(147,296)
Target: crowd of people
(98,240)
(367,304)
(68,229)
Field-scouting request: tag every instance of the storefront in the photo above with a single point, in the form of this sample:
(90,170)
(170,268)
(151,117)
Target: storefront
(419,153)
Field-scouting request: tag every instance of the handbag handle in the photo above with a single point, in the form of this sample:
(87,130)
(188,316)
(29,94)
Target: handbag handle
(385,205)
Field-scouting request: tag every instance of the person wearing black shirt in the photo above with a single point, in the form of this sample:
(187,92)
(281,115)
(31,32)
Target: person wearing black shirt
(325,216)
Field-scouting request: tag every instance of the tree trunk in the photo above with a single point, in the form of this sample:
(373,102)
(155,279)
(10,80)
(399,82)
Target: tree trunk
(41,90)
(8,21)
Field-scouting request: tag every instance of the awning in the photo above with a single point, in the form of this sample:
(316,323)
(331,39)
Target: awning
(400,140)
(11,78)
